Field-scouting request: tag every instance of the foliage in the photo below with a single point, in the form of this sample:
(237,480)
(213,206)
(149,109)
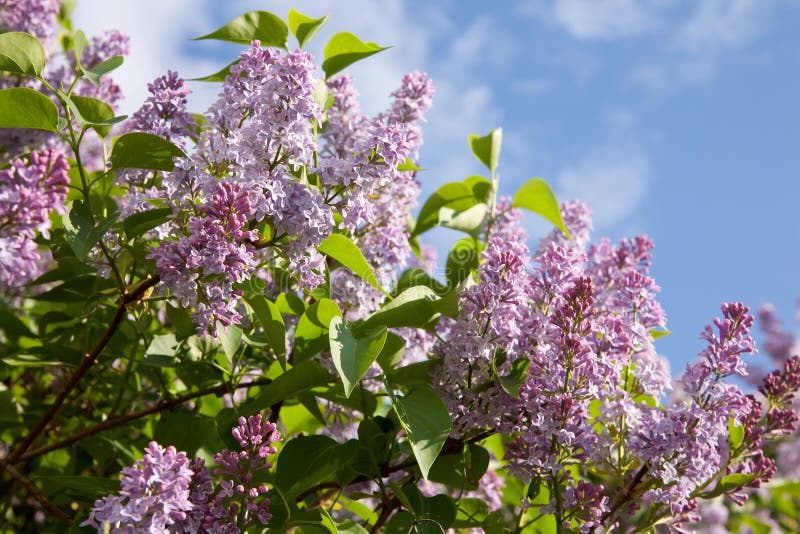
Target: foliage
(246,284)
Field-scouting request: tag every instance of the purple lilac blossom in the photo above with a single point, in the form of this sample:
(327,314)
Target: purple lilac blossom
(29,191)
(260,132)
(583,322)
(165,492)
(202,268)
(164,114)
(684,446)
(240,501)
(154,494)
(359,163)
(37,17)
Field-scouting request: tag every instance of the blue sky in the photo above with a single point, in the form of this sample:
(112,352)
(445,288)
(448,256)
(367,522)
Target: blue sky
(675,118)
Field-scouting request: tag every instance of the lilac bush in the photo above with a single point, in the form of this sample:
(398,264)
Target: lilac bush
(170,276)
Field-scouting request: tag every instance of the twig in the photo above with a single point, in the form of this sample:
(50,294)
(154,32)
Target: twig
(165,404)
(89,360)
(622,497)
(38,495)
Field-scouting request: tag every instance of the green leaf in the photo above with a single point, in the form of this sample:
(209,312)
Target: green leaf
(83,487)
(315,520)
(304,27)
(415,373)
(290,304)
(311,334)
(22,53)
(408,165)
(230,338)
(299,378)
(413,307)
(470,512)
(79,45)
(344,49)
(462,470)
(512,382)
(255,25)
(353,356)
(306,461)
(535,195)
(655,334)
(144,221)
(463,259)
(30,360)
(454,195)
(735,435)
(82,235)
(487,148)
(272,322)
(96,113)
(161,351)
(392,352)
(342,249)
(348,526)
(427,423)
(139,150)
(469,221)
(95,73)
(439,510)
(218,76)
(21,107)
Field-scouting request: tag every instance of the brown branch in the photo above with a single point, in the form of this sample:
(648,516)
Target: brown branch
(166,404)
(89,360)
(622,497)
(386,510)
(38,495)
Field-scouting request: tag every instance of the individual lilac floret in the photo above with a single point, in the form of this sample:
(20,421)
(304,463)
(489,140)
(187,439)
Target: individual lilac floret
(29,191)
(154,494)
(240,499)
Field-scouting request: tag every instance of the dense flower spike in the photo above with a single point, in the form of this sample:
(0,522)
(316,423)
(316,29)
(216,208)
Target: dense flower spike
(29,191)
(154,494)
(165,492)
(37,17)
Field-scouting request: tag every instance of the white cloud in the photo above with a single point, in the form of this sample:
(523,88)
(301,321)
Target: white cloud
(716,25)
(158,32)
(698,44)
(606,19)
(612,181)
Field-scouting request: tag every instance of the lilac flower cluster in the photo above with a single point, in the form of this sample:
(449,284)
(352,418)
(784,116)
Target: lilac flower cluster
(164,114)
(37,17)
(684,446)
(359,168)
(259,135)
(30,189)
(165,492)
(570,327)
(203,267)
(154,494)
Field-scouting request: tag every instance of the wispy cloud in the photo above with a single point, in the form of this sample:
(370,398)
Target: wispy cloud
(159,31)
(604,19)
(612,180)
